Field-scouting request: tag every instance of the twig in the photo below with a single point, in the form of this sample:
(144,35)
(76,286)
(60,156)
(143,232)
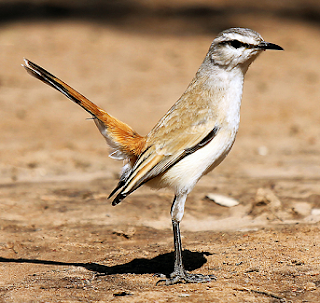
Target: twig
(265,293)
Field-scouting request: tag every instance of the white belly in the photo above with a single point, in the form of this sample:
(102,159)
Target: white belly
(184,175)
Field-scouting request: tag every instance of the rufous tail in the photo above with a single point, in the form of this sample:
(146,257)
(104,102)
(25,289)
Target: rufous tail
(123,140)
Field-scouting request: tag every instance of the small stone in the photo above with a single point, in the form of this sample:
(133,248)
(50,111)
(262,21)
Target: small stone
(315,212)
(222,200)
(263,150)
(310,286)
(302,209)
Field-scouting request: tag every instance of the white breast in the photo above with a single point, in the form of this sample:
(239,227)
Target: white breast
(183,176)
(226,101)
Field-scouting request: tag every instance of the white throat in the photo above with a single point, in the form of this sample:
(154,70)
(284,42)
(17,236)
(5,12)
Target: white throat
(227,86)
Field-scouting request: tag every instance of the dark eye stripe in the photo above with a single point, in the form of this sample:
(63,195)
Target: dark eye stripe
(237,44)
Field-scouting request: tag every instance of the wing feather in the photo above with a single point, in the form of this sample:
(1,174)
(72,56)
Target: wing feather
(190,124)
(153,163)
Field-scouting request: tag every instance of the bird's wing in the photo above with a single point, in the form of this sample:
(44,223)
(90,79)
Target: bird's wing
(167,144)
(125,143)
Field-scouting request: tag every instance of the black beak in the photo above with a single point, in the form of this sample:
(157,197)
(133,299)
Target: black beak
(268,45)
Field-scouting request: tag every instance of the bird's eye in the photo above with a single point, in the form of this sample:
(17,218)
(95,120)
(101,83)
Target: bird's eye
(236,43)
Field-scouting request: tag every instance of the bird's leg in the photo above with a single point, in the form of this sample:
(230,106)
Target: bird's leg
(178,265)
(179,274)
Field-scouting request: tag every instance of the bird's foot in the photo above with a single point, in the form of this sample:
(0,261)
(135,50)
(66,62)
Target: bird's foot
(185,277)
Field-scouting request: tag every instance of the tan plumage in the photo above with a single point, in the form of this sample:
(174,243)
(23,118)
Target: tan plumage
(184,126)
(193,137)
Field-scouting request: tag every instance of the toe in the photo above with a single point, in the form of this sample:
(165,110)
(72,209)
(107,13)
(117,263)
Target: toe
(185,277)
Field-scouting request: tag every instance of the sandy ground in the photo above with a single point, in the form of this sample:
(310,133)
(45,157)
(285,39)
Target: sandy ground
(62,241)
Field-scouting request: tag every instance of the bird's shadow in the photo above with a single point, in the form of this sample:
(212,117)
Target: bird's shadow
(161,264)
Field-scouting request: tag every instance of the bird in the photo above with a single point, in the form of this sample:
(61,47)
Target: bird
(189,141)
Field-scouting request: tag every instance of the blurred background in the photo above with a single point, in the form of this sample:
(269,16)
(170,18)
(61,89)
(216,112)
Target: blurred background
(134,59)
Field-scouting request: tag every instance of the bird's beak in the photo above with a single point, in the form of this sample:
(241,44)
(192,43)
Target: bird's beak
(267,45)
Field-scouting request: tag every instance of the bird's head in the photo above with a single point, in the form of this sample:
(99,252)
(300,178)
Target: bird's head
(238,47)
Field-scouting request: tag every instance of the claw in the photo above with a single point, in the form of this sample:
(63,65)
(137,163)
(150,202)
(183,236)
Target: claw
(162,280)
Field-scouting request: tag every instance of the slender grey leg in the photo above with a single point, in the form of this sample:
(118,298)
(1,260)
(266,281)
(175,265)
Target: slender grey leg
(179,274)
(178,266)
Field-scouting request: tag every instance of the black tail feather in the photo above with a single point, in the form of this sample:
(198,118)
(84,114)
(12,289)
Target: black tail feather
(118,199)
(120,184)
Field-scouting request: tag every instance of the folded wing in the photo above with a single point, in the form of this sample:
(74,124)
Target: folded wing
(154,161)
